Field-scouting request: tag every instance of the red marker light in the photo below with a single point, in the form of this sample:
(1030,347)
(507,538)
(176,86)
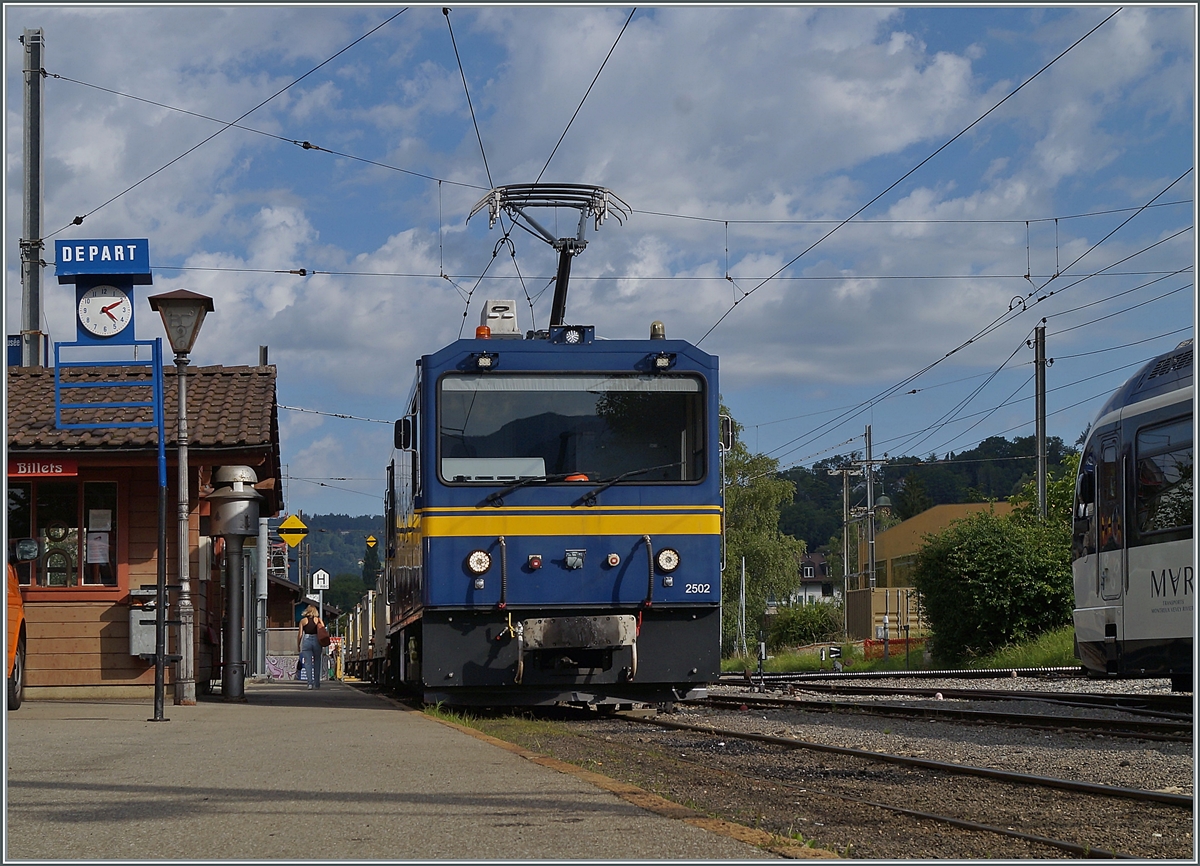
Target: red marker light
(535,560)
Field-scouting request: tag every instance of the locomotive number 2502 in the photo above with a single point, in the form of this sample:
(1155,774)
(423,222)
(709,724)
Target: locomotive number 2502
(697,587)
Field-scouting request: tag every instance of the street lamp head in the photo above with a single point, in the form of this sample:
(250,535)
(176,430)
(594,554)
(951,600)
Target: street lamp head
(182,313)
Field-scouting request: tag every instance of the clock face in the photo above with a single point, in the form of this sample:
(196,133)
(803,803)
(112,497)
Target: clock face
(105,311)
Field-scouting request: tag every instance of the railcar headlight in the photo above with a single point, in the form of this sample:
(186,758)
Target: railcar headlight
(479,561)
(667,560)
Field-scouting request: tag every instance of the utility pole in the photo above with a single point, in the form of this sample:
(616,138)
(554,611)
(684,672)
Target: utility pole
(869,472)
(31,223)
(1039,341)
(845,472)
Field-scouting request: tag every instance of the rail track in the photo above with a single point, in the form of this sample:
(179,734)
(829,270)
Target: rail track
(1180,731)
(864,803)
(1074,848)
(1182,801)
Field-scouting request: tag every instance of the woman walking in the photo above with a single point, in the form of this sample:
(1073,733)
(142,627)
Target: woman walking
(309,646)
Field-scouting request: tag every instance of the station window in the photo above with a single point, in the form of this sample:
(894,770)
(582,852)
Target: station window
(75,522)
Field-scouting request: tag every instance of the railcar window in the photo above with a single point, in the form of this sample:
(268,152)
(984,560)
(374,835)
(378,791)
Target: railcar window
(495,427)
(1164,477)
(1109,495)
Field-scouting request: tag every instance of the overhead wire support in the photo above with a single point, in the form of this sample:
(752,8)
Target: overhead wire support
(78,220)
(908,173)
(467,91)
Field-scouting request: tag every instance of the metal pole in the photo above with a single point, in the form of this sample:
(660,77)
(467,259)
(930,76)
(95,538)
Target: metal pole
(260,655)
(185,685)
(31,223)
(845,552)
(1040,368)
(870,473)
(558,308)
(233,677)
(160,612)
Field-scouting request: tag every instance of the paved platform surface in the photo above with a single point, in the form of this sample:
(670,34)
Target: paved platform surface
(292,774)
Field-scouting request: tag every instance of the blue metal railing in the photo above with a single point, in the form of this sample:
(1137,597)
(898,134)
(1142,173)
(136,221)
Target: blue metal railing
(155,403)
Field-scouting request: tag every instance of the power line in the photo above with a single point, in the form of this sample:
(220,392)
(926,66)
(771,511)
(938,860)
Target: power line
(467,91)
(308,145)
(817,222)
(79,219)
(907,174)
(585,95)
(334,414)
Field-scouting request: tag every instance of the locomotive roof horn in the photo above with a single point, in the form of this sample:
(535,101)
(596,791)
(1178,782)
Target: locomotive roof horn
(594,201)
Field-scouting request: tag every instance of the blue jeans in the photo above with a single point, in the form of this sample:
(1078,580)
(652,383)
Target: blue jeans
(310,654)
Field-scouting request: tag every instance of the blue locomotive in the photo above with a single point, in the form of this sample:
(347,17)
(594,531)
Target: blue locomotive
(556,521)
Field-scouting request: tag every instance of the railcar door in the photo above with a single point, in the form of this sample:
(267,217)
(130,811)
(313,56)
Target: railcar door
(1111,514)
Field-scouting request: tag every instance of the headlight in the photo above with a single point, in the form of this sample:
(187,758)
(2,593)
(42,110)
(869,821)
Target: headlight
(667,560)
(479,561)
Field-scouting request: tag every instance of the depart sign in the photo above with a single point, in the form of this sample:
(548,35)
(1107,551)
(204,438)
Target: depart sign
(129,257)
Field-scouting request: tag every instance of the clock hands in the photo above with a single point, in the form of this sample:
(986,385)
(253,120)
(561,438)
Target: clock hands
(106,312)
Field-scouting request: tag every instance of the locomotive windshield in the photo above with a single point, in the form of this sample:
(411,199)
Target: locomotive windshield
(495,427)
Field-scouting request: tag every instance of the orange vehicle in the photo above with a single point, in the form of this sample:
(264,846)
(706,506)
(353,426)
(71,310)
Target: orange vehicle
(20,550)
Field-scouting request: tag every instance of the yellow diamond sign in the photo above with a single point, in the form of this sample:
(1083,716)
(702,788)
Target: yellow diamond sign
(372,541)
(292,531)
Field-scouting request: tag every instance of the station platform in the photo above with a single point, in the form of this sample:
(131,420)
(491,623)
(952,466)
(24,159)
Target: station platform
(334,774)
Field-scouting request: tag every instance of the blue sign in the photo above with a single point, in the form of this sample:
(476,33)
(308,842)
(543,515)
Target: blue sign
(127,257)
(14,351)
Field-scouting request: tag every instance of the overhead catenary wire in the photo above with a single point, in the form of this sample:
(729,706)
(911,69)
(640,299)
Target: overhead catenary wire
(79,219)
(908,173)
(1016,308)
(306,144)
(333,414)
(586,93)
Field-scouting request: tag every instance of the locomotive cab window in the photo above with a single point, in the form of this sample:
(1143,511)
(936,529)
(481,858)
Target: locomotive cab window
(494,427)
(1164,478)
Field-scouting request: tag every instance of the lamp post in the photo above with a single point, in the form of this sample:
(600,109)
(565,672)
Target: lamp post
(182,314)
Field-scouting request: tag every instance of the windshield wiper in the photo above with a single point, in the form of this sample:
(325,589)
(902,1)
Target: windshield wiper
(497,497)
(589,498)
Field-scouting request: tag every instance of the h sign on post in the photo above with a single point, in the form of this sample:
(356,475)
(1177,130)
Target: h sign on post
(320,579)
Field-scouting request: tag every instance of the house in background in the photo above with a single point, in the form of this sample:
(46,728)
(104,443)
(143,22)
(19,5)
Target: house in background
(816,584)
(91,498)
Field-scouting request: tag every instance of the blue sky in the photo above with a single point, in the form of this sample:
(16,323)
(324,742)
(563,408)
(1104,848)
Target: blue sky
(739,136)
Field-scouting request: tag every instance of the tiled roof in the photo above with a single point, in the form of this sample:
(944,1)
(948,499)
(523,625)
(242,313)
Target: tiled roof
(228,407)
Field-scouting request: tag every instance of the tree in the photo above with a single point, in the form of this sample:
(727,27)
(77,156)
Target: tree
(346,590)
(370,567)
(987,581)
(912,498)
(754,494)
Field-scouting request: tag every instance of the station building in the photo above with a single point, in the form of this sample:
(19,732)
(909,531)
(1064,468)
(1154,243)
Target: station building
(91,498)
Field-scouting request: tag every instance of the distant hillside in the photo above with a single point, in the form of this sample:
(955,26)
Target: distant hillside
(338,542)
(994,469)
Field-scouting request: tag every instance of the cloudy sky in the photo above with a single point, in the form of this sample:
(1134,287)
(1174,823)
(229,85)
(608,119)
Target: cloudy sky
(739,137)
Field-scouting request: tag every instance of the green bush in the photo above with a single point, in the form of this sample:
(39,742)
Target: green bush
(808,624)
(989,581)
